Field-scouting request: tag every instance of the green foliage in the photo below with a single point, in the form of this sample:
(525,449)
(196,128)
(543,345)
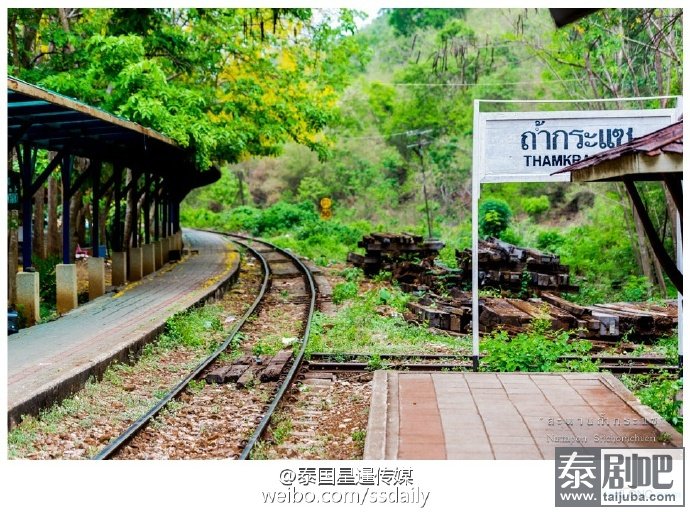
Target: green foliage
(344,291)
(352,274)
(362,325)
(225,82)
(550,240)
(536,350)
(536,206)
(636,289)
(660,393)
(191,328)
(46,270)
(494,217)
(406,21)
(283,216)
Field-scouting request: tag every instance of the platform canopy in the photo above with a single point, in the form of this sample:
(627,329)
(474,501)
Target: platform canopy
(47,120)
(657,156)
(646,158)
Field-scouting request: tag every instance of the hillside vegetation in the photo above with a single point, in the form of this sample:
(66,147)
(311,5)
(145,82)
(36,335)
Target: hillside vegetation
(406,119)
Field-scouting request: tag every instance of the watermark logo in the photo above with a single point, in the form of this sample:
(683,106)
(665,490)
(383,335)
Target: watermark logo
(588,477)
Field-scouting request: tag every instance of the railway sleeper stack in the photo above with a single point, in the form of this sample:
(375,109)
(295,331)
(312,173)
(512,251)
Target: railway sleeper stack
(606,322)
(384,250)
(509,267)
(247,369)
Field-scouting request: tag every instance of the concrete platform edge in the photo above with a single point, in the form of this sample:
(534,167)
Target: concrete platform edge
(62,388)
(375,440)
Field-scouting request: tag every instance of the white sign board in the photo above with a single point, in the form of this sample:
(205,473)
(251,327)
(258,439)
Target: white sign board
(530,146)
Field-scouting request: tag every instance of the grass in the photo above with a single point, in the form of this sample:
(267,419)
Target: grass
(659,392)
(372,322)
(193,334)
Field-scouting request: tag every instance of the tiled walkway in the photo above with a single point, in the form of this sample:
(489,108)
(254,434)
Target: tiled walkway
(49,361)
(505,415)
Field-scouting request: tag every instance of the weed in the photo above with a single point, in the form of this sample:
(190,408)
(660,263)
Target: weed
(660,392)
(359,436)
(352,274)
(375,362)
(197,386)
(282,429)
(260,451)
(344,291)
(663,437)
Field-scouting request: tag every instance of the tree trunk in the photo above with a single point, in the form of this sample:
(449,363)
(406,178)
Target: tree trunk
(645,259)
(54,238)
(76,220)
(107,202)
(39,247)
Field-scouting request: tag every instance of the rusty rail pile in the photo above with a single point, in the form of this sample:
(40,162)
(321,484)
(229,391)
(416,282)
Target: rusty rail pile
(386,250)
(509,271)
(606,322)
(508,267)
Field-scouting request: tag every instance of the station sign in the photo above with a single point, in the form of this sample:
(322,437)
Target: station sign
(530,146)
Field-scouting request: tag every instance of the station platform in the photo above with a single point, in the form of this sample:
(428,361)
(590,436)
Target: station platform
(523,416)
(50,361)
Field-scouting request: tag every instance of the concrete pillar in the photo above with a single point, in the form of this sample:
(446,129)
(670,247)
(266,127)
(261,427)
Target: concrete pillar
(66,287)
(165,245)
(158,247)
(148,259)
(96,277)
(119,270)
(28,297)
(135,264)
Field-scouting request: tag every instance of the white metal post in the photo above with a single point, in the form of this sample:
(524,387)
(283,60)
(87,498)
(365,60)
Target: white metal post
(476,189)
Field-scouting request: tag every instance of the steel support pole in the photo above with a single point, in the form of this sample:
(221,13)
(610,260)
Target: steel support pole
(66,172)
(95,217)
(117,227)
(27,210)
(147,208)
(476,190)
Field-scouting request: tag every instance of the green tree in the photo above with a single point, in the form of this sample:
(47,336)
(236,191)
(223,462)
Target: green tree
(494,217)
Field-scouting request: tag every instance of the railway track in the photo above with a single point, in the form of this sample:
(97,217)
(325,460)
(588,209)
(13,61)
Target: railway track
(463,362)
(193,412)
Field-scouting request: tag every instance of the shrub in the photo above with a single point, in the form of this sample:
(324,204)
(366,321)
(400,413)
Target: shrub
(550,240)
(46,271)
(535,206)
(494,217)
(282,216)
(344,291)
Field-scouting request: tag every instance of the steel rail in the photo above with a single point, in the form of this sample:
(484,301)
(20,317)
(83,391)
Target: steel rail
(292,373)
(114,446)
(602,358)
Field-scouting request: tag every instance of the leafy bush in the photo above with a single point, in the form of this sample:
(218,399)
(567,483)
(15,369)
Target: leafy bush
(282,216)
(344,291)
(536,350)
(535,206)
(46,270)
(494,217)
(191,328)
(550,240)
(659,393)
(636,289)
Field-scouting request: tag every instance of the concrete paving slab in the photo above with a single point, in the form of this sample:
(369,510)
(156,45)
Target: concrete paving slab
(423,415)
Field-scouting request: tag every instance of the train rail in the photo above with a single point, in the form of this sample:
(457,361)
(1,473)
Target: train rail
(336,362)
(115,447)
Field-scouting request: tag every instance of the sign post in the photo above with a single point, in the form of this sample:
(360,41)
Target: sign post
(530,146)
